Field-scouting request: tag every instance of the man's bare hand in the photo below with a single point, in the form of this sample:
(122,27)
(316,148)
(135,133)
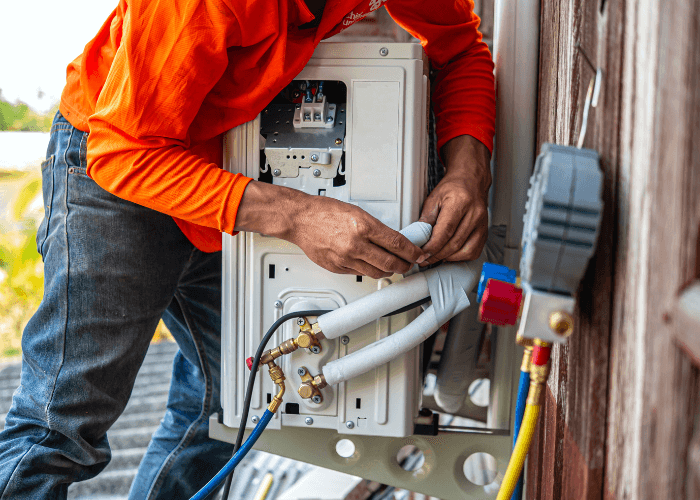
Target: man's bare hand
(457,207)
(337,236)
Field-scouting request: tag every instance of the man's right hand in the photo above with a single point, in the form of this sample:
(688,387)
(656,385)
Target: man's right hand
(337,236)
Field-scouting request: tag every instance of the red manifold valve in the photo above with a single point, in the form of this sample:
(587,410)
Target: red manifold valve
(501,303)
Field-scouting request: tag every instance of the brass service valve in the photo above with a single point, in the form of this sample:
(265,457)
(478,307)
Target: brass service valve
(310,387)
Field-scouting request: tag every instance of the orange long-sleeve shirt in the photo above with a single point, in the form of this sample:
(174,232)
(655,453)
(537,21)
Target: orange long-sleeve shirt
(162,81)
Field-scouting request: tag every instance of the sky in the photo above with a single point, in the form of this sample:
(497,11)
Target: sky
(38,38)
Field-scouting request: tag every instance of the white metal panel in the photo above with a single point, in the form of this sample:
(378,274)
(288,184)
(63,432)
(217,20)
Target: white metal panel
(375,136)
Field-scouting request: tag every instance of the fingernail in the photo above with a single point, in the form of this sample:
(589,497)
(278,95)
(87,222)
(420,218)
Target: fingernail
(422,258)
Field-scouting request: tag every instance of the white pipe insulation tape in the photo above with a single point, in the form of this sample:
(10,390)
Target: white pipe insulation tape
(418,233)
(383,350)
(389,299)
(373,306)
(449,285)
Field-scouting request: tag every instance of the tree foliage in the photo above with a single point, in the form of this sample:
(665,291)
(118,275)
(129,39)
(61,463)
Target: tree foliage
(20,117)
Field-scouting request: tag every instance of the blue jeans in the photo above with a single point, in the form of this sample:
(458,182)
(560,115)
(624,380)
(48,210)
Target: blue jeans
(112,269)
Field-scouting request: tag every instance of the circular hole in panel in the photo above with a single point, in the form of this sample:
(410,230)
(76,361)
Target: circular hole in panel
(480,468)
(345,448)
(274,140)
(288,122)
(479,391)
(295,157)
(288,157)
(341,123)
(276,133)
(302,157)
(410,458)
(277,121)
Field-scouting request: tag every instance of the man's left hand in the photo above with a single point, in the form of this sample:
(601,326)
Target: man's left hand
(457,207)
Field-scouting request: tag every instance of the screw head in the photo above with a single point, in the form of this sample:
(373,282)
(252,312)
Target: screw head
(329,119)
(276,172)
(315,349)
(314,157)
(383,52)
(317,173)
(300,321)
(278,304)
(345,340)
(301,371)
(350,424)
(309,421)
(339,141)
(316,399)
(255,419)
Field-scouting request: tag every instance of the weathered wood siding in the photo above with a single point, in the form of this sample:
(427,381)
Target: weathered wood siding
(621,418)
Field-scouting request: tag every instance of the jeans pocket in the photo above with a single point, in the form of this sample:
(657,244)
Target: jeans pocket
(47,194)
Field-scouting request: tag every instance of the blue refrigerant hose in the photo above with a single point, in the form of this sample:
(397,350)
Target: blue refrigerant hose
(235,460)
(523,387)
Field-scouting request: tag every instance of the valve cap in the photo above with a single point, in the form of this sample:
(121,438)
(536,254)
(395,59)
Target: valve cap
(249,362)
(500,304)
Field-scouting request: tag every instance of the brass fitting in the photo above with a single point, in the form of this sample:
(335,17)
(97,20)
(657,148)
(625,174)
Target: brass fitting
(310,387)
(538,379)
(561,323)
(527,356)
(277,376)
(306,339)
(523,341)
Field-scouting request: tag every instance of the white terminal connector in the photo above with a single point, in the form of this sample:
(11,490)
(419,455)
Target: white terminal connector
(315,114)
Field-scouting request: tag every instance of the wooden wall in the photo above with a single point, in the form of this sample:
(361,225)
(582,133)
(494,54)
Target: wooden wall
(622,416)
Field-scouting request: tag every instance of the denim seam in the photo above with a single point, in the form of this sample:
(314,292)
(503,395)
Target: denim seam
(17,467)
(52,172)
(206,403)
(60,126)
(67,250)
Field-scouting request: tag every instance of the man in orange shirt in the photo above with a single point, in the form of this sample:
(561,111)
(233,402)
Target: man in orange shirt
(136,201)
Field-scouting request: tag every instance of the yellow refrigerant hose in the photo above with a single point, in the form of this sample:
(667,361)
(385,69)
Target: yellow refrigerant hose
(522,446)
(539,371)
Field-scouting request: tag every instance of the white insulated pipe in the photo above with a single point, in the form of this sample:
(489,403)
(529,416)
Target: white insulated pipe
(382,351)
(451,284)
(373,306)
(418,233)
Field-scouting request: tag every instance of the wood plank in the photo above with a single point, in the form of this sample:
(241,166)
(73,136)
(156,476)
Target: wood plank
(575,436)
(654,387)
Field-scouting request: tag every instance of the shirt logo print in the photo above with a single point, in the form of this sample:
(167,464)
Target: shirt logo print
(354,17)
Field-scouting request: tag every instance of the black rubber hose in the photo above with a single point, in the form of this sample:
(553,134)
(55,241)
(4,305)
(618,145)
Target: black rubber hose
(256,363)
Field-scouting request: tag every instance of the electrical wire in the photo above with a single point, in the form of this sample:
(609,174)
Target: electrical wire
(251,381)
(256,363)
(213,484)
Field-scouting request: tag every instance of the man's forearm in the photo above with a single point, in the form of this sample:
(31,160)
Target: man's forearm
(467,158)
